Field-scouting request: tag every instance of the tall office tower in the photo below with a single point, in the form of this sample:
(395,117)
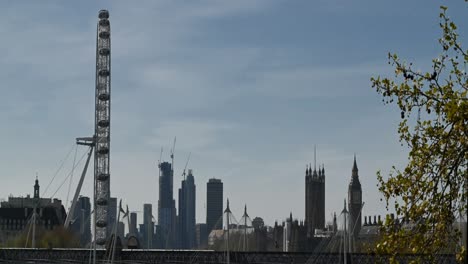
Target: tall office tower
(181,219)
(214,205)
(121,230)
(186,223)
(141,230)
(314,199)
(82,220)
(132,229)
(166,206)
(355,201)
(148,226)
(201,236)
(111,216)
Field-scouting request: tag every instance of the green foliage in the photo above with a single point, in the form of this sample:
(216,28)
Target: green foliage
(56,238)
(431,191)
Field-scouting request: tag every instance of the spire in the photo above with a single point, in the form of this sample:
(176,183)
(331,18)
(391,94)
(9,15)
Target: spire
(314,174)
(335,224)
(344,208)
(315,156)
(323,170)
(355,168)
(227,207)
(36,188)
(245,211)
(290,217)
(355,165)
(307,170)
(310,169)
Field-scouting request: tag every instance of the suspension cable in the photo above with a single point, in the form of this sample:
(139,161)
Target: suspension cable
(58,170)
(71,178)
(63,182)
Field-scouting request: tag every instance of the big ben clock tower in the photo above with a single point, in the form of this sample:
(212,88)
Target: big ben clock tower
(355,201)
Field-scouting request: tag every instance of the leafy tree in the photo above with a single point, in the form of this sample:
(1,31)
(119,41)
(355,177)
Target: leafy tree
(431,192)
(59,237)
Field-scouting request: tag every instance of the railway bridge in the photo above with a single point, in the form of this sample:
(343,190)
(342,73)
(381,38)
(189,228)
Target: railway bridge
(27,255)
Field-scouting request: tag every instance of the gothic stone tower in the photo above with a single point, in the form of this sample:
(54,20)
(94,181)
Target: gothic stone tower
(355,200)
(314,200)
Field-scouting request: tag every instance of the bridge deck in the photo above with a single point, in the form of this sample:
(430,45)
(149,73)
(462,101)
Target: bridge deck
(19,255)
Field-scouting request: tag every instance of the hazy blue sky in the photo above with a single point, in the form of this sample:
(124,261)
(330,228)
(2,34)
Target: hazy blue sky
(247,86)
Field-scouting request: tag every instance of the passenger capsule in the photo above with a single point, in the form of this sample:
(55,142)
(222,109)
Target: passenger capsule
(104,72)
(104,22)
(101,223)
(103,123)
(103,14)
(103,151)
(103,177)
(104,97)
(104,51)
(101,202)
(104,35)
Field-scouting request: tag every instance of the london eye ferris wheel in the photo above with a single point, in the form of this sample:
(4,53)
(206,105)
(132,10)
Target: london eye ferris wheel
(102,127)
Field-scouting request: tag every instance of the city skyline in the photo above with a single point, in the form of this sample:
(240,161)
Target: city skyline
(216,85)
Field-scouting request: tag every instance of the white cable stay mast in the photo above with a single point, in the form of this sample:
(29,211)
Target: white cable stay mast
(86,142)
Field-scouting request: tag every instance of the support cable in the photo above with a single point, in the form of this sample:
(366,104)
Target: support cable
(29,230)
(71,178)
(58,170)
(63,182)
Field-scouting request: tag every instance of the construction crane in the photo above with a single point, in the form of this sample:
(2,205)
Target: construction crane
(172,155)
(160,156)
(159,161)
(183,173)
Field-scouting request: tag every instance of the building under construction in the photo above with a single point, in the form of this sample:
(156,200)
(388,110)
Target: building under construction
(166,207)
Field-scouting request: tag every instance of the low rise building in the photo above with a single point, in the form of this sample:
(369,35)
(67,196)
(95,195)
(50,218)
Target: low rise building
(19,213)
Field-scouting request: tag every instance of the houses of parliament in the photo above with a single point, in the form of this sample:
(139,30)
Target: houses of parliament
(315,200)
(308,235)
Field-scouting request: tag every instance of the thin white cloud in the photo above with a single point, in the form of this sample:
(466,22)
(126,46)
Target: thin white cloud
(194,135)
(317,81)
